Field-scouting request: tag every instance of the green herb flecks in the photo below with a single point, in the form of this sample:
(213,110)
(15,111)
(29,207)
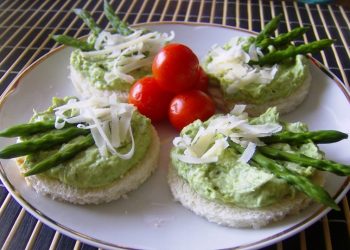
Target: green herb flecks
(64,154)
(300,182)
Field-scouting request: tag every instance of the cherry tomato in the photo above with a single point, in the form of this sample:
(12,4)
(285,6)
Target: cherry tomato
(189,106)
(203,81)
(150,99)
(175,68)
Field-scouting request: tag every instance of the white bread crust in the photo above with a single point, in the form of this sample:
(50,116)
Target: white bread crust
(284,105)
(86,89)
(231,215)
(130,181)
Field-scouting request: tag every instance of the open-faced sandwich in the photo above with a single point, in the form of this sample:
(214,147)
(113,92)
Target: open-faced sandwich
(261,71)
(83,152)
(110,61)
(247,172)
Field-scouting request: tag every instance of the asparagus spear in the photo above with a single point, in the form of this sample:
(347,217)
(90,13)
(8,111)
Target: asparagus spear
(280,55)
(302,183)
(119,26)
(321,136)
(324,165)
(88,20)
(49,140)
(270,27)
(73,42)
(62,155)
(28,129)
(283,38)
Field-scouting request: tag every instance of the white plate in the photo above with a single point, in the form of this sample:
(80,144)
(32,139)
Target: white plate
(149,218)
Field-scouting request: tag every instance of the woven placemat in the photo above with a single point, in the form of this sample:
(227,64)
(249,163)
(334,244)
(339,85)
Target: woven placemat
(25,27)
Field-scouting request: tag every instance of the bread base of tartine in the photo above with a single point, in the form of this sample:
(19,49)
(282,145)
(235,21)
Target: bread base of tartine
(130,181)
(233,216)
(85,89)
(284,105)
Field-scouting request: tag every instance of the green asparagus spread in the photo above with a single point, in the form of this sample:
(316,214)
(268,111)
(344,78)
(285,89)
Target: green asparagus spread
(89,169)
(245,185)
(94,69)
(290,75)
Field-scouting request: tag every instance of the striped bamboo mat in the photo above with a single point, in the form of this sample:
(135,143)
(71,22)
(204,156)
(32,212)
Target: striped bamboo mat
(25,27)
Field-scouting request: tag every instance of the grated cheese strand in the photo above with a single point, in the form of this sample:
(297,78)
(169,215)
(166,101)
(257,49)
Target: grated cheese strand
(248,153)
(124,54)
(108,120)
(211,141)
(231,64)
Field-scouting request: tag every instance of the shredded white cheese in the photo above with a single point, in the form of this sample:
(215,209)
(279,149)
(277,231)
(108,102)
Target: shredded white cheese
(211,141)
(248,153)
(231,64)
(108,120)
(124,54)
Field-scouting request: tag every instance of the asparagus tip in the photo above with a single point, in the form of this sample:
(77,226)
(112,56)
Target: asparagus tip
(343,135)
(77,11)
(334,206)
(53,36)
(251,62)
(26,174)
(4,155)
(30,172)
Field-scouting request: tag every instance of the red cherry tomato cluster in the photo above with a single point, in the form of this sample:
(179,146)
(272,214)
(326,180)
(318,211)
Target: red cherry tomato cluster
(176,90)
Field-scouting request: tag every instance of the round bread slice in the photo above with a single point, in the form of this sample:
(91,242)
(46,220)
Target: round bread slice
(86,89)
(233,216)
(130,181)
(284,105)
